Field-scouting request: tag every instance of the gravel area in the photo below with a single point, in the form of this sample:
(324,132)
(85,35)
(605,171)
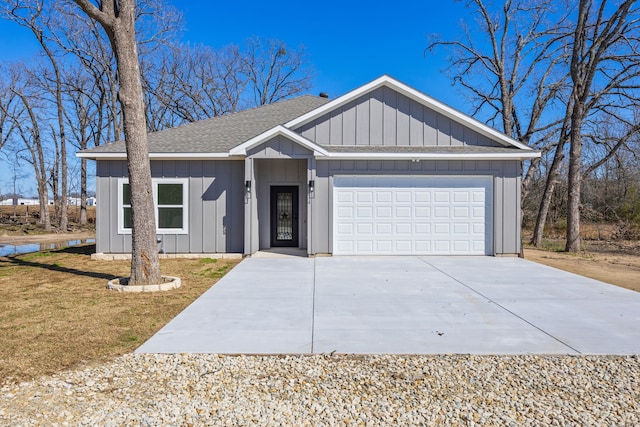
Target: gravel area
(330,390)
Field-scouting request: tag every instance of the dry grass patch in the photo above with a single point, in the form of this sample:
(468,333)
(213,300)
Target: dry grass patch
(55,312)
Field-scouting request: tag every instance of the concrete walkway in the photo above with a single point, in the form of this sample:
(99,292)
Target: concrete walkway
(404,305)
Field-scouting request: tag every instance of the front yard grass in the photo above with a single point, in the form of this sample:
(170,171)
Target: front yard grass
(55,312)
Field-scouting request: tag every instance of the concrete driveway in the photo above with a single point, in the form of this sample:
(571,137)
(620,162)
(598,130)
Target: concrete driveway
(404,305)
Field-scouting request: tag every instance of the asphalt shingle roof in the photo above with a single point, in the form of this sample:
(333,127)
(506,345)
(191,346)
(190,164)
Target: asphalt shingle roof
(220,134)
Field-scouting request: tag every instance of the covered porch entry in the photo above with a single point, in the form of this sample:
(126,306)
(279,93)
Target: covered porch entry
(278,201)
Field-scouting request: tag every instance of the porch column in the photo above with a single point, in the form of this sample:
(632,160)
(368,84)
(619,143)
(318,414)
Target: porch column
(250,220)
(311,196)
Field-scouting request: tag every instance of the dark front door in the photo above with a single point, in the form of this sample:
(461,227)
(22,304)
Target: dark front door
(284,216)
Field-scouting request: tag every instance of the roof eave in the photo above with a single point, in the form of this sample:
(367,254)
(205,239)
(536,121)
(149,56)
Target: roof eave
(157,156)
(520,155)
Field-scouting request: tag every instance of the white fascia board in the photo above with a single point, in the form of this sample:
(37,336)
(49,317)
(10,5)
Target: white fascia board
(241,150)
(153,156)
(530,154)
(416,95)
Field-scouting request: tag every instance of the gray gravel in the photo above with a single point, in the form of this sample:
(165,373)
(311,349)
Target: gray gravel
(330,390)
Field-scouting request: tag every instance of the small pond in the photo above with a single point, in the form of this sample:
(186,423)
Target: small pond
(6,250)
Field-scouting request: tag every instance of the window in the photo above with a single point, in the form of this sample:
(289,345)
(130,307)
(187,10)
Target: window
(170,202)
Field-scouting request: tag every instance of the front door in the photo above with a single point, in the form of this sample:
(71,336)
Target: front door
(284,216)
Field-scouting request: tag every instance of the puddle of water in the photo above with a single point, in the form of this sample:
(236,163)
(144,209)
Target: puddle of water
(6,250)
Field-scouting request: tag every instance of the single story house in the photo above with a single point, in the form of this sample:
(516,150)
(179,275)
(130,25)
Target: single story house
(384,169)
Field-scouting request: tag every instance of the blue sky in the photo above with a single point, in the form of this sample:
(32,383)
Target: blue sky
(349,42)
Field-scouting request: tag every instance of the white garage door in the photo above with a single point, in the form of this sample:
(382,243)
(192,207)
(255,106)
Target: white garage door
(386,215)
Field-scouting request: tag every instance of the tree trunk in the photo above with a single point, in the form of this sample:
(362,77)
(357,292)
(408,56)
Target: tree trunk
(552,178)
(118,20)
(145,264)
(575,181)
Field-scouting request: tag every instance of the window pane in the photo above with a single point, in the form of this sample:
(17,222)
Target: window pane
(126,194)
(170,194)
(127,221)
(169,217)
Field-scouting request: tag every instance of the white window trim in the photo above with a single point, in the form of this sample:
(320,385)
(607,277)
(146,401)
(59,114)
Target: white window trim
(154,183)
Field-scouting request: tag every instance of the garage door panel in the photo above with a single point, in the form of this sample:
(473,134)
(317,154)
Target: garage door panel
(442,246)
(403,228)
(461,246)
(441,196)
(422,196)
(364,228)
(345,246)
(423,246)
(422,212)
(461,197)
(345,212)
(422,228)
(364,196)
(441,228)
(461,212)
(365,246)
(384,228)
(384,246)
(345,197)
(364,212)
(403,197)
(478,212)
(404,246)
(384,212)
(461,228)
(403,212)
(384,196)
(345,228)
(441,212)
(412,215)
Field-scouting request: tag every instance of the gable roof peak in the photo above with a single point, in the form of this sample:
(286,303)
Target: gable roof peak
(412,93)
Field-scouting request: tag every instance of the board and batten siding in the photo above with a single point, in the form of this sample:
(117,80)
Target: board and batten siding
(385,117)
(216,204)
(506,191)
(279,147)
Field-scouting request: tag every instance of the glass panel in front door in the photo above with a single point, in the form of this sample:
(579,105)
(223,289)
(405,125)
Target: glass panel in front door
(284,215)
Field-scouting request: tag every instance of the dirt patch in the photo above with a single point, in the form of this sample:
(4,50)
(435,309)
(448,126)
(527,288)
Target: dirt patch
(56,313)
(613,263)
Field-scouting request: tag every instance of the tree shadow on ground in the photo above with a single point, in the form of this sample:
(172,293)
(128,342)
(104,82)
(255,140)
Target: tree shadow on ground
(80,250)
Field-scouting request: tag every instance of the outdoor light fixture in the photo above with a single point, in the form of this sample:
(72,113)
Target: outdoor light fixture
(247,185)
(312,184)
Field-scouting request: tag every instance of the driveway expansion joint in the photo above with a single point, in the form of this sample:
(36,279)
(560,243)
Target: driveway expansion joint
(501,306)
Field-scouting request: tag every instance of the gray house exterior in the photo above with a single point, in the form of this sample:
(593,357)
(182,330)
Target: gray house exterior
(384,169)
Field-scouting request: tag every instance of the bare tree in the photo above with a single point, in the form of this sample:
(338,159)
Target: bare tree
(187,84)
(274,71)
(84,114)
(118,21)
(604,68)
(7,107)
(27,124)
(543,77)
(509,63)
(33,16)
